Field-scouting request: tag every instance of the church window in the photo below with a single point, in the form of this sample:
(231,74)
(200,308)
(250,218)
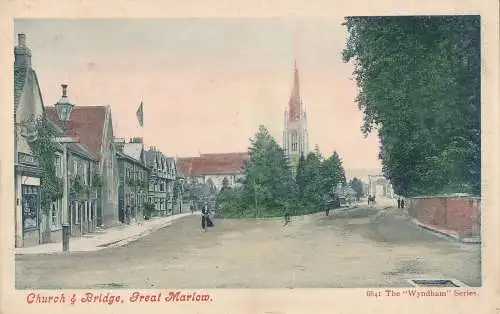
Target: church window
(294,141)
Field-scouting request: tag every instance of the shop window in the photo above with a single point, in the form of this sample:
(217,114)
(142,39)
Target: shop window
(30,204)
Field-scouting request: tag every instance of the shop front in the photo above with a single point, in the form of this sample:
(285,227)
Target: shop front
(28,196)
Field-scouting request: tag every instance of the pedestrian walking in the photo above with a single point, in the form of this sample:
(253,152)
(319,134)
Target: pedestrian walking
(399,202)
(192,208)
(402,203)
(287,218)
(204,219)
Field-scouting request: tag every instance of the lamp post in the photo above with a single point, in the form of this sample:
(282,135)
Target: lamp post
(64,109)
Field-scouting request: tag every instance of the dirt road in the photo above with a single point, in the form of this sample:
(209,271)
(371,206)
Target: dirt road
(364,248)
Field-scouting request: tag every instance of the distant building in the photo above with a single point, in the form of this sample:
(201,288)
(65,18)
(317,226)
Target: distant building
(133,189)
(163,174)
(213,167)
(295,134)
(379,186)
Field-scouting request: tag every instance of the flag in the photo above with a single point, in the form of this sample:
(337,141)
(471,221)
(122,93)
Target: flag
(140,115)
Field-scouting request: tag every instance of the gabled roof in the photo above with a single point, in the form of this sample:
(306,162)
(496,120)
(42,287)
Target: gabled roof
(205,164)
(87,122)
(122,155)
(150,156)
(72,147)
(133,150)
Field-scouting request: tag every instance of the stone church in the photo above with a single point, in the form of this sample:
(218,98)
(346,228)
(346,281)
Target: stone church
(295,136)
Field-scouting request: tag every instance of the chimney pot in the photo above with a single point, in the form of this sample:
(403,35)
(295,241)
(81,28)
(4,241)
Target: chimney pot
(64,87)
(21,40)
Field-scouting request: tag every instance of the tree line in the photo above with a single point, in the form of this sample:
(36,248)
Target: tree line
(419,88)
(270,188)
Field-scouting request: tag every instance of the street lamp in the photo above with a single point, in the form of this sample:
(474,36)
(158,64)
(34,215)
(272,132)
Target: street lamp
(64,109)
(63,106)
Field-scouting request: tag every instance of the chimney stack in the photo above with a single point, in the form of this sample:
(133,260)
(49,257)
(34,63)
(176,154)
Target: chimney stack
(119,143)
(21,40)
(64,92)
(136,140)
(22,53)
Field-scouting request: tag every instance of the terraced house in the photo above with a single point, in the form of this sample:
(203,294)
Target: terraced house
(161,181)
(134,180)
(28,107)
(94,128)
(39,221)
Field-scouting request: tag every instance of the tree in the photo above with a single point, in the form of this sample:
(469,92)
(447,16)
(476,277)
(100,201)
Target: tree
(357,185)
(332,172)
(44,147)
(300,179)
(419,88)
(314,188)
(211,186)
(268,186)
(225,184)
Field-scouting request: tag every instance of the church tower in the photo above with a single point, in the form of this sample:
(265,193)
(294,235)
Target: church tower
(295,137)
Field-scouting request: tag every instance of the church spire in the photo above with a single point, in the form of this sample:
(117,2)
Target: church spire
(294,104)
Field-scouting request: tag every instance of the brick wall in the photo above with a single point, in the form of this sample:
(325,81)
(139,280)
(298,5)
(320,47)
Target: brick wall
(458,214)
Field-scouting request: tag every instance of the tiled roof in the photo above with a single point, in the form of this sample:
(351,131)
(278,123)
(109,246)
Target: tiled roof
(86,122)
(224,163)
(133,150)
(150,156)
(20,75)
(73,147)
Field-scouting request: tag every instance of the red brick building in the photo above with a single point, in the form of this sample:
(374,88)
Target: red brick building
(93,126)
(216,167)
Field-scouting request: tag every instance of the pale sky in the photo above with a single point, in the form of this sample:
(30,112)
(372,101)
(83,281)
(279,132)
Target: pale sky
(206,84)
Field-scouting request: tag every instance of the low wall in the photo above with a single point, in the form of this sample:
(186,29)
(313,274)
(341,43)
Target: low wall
(460,215)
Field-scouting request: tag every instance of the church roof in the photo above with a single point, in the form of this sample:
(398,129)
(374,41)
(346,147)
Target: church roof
(206,164)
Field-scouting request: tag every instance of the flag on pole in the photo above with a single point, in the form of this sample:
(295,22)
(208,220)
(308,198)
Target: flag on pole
(140,115)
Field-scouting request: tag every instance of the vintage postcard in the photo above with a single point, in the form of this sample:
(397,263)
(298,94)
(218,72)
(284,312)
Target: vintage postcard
(197,163)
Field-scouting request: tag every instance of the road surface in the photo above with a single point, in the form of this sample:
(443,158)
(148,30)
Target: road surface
(364,248)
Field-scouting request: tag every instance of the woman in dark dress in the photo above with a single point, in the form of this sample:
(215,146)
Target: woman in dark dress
(203,218)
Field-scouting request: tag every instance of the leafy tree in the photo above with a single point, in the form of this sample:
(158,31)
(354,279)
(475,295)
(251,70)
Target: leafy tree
(300,179)
(419,88)
(225,184)
(314,188)
(268,187)
(198,192)
(44,148)
(357,185)
(211,186)
(332,173)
